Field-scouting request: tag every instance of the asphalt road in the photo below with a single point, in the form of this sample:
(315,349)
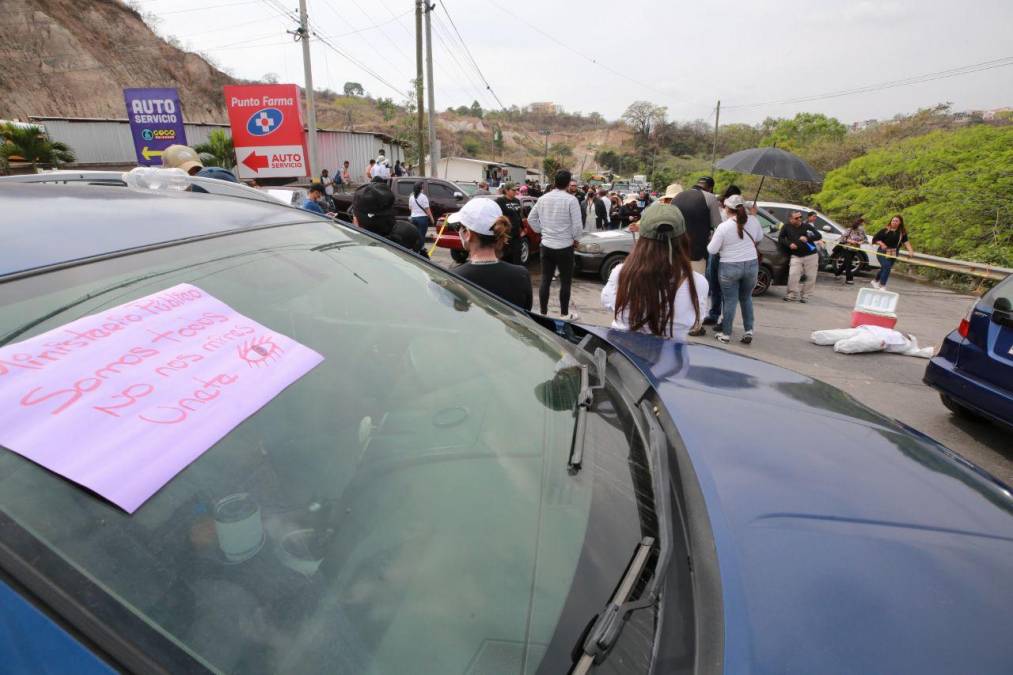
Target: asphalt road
(888,383)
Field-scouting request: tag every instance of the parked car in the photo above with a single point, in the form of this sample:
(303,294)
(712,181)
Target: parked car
(530,240)
(832,255)
(554,498)
(445,197)
(600,252)
(973,370)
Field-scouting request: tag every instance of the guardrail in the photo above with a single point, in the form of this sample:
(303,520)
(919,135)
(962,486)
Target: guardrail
(974,269)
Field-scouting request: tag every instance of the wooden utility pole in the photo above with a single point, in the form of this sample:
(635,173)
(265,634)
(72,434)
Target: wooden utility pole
(714,148)
(311,108)
(419,103)
(434,144)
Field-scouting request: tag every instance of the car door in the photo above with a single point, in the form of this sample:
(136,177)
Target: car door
(443,198)
(402,191)
(987,353)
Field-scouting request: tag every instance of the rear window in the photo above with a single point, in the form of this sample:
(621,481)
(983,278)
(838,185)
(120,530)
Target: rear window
(404,188)
(1004,289)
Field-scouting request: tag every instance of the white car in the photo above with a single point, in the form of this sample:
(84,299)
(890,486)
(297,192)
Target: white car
(832,233)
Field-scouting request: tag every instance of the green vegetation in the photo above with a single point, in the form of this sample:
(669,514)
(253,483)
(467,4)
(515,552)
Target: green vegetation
(954,189)
(27,143)
(218,151)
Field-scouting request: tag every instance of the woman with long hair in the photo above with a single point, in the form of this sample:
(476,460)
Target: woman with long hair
(889,240)
(655,290)
(485,232)
(421,214)
(736,240)
(851,240)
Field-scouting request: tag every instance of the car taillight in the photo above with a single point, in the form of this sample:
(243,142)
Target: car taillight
(965,324)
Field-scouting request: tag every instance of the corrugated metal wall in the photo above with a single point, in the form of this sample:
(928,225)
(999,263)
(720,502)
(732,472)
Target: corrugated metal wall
(109,142)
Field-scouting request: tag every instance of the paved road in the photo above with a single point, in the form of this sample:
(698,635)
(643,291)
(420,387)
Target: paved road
(889,383)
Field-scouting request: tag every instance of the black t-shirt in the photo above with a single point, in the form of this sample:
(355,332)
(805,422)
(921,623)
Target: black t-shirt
(892,238)
(511,208)
(510,282)
(694,209)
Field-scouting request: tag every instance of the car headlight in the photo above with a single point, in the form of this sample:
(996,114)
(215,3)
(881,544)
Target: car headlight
(588,247)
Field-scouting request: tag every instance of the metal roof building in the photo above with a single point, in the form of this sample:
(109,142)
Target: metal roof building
(108,143)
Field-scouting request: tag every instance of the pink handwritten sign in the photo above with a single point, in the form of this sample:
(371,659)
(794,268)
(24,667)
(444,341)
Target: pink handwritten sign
(123,400)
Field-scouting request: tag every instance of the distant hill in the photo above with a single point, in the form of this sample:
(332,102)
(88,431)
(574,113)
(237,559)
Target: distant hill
(74,58)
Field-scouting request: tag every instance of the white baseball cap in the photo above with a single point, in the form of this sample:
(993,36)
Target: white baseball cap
(478,215)
(734,202)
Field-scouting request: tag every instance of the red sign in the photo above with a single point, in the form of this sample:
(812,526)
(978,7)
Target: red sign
(267,130)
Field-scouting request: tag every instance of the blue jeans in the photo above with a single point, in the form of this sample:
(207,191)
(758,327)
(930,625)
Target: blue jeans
(737,282)
(421,224)
(714,284)
(885,265)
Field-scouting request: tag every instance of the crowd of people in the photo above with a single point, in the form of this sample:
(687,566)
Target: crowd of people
(694,262)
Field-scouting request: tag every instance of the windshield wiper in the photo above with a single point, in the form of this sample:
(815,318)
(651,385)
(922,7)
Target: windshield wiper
(604,633)
(585,399)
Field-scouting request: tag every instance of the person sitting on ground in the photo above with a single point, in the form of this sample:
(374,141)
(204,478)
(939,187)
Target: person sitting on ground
(484,232)
(655,289)
(373,210)
(313,197)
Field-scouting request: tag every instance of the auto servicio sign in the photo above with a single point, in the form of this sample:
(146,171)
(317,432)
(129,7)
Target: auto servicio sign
(267,130)
(156,122)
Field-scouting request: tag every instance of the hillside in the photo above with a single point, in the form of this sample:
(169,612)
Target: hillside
(73,59)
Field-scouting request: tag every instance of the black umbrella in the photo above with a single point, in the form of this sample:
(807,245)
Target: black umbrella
(772,162)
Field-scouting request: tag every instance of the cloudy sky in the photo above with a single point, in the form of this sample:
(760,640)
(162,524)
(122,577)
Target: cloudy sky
(759,58)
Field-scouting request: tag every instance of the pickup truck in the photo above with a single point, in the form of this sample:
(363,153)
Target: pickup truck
(444,197)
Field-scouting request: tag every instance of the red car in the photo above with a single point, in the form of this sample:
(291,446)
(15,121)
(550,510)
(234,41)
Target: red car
(530,239)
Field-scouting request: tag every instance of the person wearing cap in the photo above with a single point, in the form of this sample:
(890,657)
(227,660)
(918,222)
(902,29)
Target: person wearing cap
(484,232)
(670,192)
(655,290)
(181,157)
(373,210)
(735,240)
(556,216)
(798,240)
(511,208)
(313,197)
(483,188)
(629,212)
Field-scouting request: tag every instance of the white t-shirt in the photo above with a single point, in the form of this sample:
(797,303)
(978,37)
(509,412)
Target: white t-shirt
(418,206)
(727,244)
(684,318)
(381,171)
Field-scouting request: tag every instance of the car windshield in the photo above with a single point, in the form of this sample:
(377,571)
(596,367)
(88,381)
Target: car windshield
(416,511)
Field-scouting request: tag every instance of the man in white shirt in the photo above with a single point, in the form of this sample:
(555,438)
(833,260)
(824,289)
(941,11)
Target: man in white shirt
(556,216)
(380,170)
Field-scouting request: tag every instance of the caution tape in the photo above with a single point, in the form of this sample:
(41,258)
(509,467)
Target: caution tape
(438,235)
(988,271)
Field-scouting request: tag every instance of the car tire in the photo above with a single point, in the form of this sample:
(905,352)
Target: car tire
(610,264)
(858,263)
(459,255)
(958,409)
(764,278)
(525,250)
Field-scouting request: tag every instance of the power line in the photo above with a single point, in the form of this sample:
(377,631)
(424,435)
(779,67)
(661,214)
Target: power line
(439,30)
(472,58)
(892,84)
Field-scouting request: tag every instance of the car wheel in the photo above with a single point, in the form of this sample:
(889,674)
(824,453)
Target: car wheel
(525,250)
(958,409)
(764,277)
(610,264)
(861,262)
(459,255)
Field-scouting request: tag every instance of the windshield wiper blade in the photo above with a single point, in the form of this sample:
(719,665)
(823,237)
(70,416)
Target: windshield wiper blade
(585,397)
(608,625)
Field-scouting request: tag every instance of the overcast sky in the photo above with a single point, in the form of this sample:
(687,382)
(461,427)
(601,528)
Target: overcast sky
(679,54)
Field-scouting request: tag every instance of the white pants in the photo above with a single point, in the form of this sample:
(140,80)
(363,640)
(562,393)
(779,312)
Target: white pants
(796,266)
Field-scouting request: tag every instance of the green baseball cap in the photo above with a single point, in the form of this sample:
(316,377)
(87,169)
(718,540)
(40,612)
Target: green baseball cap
(662,221)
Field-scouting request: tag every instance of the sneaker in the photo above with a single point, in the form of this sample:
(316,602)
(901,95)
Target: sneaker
(803,300)
(710,322)
(747,338)
(874,284)
(850,283)
(698,331)
(572,316)
(721,337)
(788,298)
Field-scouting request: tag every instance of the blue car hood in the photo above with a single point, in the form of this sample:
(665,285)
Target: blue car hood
(846,542)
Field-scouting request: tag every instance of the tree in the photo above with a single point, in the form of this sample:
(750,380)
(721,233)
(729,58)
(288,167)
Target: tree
(269,78)
(561,150)
(550,165)
(387,108)
(802,130)
(354,89)
(476,110)
(28,143)
(218,151)
(643,117)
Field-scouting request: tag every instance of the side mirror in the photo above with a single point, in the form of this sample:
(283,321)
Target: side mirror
(827,228)
(458,196)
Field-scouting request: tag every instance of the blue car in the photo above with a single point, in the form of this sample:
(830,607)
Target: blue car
(461,487)
(973,371)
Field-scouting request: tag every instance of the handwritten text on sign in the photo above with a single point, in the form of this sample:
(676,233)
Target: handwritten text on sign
(122,400)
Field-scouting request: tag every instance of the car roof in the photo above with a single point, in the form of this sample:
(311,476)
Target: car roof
(47,225)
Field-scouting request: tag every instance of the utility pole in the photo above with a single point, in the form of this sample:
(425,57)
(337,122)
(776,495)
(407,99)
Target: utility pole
(419,103)
(434,150)
(311,108)
(714,148)
(545,132)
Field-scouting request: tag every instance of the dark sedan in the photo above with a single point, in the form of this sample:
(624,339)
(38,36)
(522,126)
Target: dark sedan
(563,499)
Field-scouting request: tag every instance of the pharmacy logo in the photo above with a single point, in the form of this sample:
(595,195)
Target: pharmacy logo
(264,121)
